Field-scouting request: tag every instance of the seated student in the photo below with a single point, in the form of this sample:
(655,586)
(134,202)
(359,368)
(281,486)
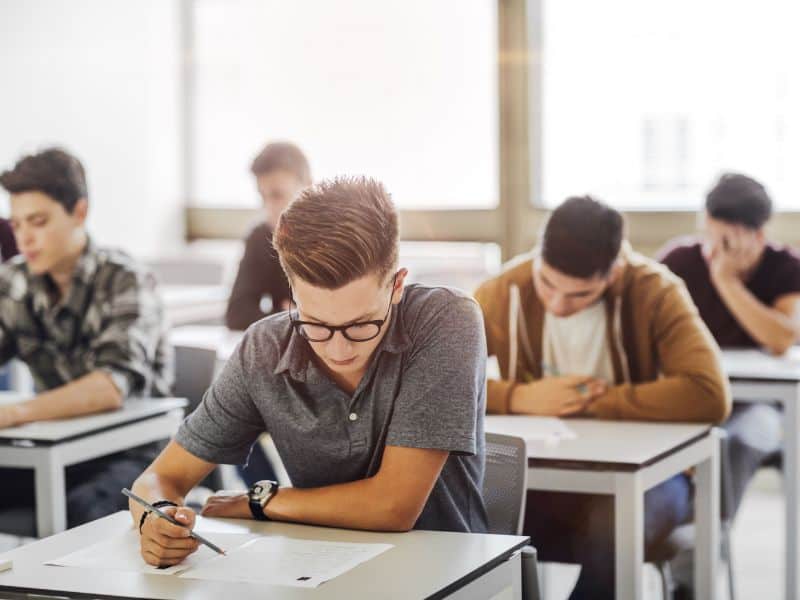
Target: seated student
(586,327)
(373,391)
(748,292)
(86,321)
(260,289)
(8,245)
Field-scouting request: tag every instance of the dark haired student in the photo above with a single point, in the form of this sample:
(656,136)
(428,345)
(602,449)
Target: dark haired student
(748,292)
(281,171)
(87,322)
(586,327)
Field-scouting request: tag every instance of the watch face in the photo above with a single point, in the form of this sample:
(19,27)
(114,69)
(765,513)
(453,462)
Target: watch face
(260,490)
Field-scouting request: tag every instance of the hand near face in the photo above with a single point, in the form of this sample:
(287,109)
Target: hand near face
(734,252)
(557,396)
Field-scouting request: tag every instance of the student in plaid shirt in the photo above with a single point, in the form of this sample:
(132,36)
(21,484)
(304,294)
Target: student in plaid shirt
(86,321)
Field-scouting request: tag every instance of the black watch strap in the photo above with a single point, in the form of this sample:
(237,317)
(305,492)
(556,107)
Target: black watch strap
(159,504)
(256,500)
(258,511)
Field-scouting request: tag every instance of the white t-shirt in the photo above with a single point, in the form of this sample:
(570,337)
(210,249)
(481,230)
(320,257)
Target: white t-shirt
(578,344)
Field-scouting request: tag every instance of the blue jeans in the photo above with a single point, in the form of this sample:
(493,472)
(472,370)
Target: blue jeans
(579,528)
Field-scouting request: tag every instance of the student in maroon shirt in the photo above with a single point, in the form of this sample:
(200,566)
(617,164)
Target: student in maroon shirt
(747,290)
(281,171)
(8,244)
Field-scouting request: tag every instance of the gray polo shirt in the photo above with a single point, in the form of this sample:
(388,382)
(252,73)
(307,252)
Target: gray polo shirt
(425,387)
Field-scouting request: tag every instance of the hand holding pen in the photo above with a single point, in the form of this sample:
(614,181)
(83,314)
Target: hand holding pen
(166,536)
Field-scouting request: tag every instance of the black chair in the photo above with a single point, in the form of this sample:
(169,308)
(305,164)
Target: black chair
(194,374)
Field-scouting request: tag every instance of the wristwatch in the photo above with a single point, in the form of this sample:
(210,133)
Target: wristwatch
(259,494)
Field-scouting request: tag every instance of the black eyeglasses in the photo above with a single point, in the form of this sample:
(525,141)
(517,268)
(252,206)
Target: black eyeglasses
(363,331)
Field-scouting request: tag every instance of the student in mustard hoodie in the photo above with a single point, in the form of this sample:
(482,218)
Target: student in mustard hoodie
(586,327)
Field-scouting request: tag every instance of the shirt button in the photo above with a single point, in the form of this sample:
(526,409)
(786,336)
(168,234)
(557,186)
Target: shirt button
(353,416)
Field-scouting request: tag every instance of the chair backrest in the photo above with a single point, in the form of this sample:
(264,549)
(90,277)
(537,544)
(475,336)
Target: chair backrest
(505,483)
(194,373)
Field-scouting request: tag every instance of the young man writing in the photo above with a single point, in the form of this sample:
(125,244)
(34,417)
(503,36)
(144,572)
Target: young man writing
(586,327)
(86,321)
(281,171)
(748,292)
(373,391)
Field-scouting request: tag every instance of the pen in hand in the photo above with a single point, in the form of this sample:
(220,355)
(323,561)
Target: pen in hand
(164,515)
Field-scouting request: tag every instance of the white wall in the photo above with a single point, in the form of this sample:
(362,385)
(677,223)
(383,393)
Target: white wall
(101,78)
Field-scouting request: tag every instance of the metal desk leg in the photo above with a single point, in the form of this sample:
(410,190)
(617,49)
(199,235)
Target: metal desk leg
(51,495)
(791,478)
(629,535)
(706,562)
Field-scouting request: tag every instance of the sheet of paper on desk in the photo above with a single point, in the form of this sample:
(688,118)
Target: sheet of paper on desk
(530,428)
(277,560)
(121,553)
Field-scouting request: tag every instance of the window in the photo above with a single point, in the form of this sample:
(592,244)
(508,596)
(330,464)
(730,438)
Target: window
(403,90)
(646,103)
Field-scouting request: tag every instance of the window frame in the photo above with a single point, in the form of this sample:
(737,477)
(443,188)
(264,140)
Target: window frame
(520,213)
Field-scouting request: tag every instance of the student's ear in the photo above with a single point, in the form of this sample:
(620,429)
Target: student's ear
(81,210)
(399,285)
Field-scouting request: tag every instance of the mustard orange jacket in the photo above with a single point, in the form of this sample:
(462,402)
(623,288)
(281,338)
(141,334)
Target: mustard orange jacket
(666,363)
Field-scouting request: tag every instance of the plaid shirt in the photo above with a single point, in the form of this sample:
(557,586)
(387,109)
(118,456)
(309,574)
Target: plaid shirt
(111,320)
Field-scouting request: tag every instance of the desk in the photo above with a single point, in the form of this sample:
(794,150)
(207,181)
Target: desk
(625,459)
(422,564)
(759,377)
(48,447)
(214,337)
(194,303)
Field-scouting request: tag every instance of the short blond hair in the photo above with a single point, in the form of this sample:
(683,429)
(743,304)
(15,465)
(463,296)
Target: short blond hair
(337,231)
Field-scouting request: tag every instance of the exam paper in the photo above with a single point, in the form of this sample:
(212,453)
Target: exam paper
(278,560)
(121,553)
(547,429)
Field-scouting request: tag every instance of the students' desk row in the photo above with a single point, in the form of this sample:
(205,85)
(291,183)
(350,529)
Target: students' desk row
(422,564)
(49,447)
(759,377)
(185,304)
(625,459)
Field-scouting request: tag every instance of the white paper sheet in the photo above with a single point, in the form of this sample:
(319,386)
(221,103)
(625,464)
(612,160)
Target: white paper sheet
(121,553)
(277,560)
(546,429)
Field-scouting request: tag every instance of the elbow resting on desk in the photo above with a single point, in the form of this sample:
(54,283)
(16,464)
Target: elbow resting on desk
(780,344)
(398,516)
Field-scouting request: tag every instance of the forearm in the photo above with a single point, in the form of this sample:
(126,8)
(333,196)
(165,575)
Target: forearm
(687,398)
(90,394)
(768,326)
(361,504)
(154,487)
(498,396)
